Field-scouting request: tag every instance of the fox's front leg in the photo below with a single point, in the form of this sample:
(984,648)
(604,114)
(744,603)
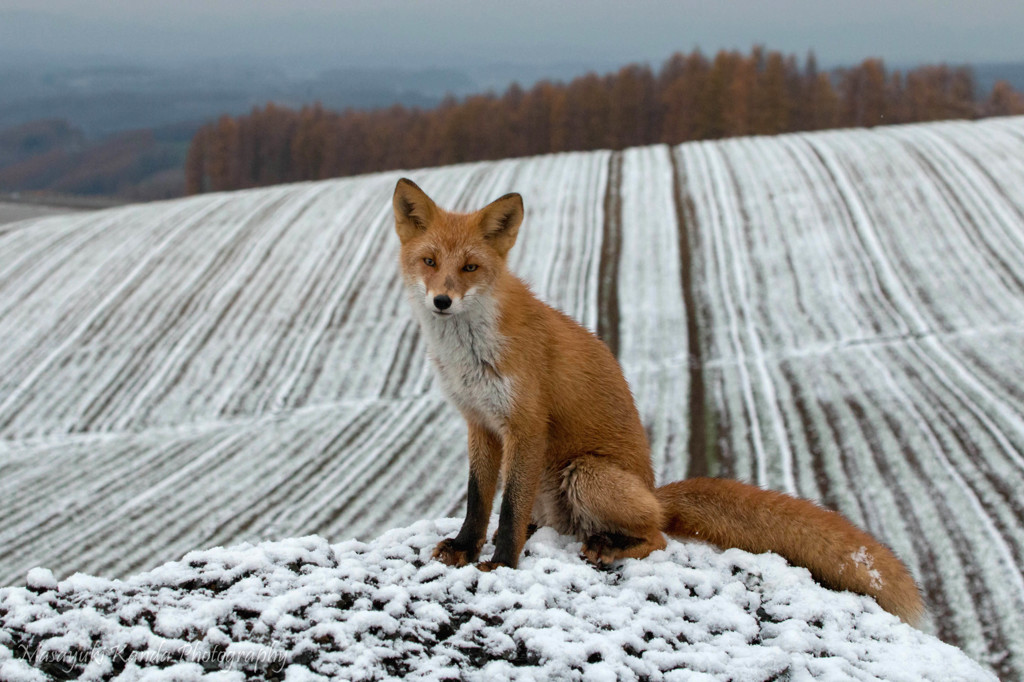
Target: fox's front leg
(484,465)
(523,453)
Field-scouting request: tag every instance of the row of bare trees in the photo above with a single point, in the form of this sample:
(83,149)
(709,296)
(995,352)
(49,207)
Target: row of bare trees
(690,98)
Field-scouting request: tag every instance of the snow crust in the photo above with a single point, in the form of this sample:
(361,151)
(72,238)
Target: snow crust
(303,609)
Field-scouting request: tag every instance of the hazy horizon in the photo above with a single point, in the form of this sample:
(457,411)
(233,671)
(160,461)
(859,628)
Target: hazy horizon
(317,34)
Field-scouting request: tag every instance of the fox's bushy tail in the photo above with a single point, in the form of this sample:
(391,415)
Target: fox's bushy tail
(839,555)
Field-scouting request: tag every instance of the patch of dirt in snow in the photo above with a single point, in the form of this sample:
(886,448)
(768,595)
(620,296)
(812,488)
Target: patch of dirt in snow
(304,609)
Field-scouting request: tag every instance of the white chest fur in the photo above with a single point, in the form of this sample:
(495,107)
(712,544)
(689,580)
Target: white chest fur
(466,349)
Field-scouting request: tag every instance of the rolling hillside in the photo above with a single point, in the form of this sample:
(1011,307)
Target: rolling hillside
(834,314)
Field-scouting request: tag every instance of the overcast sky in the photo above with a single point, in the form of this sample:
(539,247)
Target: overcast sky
(388,33)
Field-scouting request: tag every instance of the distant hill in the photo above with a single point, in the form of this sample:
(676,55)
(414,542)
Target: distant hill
(38,137)
(54,156)
(124,130)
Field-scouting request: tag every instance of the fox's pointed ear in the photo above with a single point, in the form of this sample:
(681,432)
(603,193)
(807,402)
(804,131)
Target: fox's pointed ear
(500,222)
(414,210)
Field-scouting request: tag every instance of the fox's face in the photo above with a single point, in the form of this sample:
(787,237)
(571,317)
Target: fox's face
(450,261)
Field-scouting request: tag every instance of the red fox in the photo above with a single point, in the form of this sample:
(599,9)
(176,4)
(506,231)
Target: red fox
(550,414)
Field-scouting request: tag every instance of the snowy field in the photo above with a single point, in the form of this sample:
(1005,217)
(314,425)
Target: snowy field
(838,315)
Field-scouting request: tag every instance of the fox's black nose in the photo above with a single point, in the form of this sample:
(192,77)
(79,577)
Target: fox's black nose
(442,302)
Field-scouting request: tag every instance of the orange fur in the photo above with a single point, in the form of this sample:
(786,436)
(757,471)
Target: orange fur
(550,414)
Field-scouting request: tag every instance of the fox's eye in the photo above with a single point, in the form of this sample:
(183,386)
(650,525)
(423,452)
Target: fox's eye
(469,268)
(430,262)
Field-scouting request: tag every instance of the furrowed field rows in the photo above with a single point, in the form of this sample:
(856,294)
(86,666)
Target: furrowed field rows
(258,380)
(838,315)
(865,319)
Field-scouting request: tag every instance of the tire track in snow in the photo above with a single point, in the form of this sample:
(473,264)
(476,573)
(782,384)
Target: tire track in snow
(611,245)
(815,443)
(703,455)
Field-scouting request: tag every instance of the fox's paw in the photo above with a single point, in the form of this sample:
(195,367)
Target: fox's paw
(602,549)
(488,566)
(453,554)
(598,550)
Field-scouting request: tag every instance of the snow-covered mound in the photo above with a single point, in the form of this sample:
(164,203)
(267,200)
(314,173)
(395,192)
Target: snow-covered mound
(304,609)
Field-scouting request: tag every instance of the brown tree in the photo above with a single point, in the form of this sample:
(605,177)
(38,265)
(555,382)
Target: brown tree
(689,98)
(1004,101)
